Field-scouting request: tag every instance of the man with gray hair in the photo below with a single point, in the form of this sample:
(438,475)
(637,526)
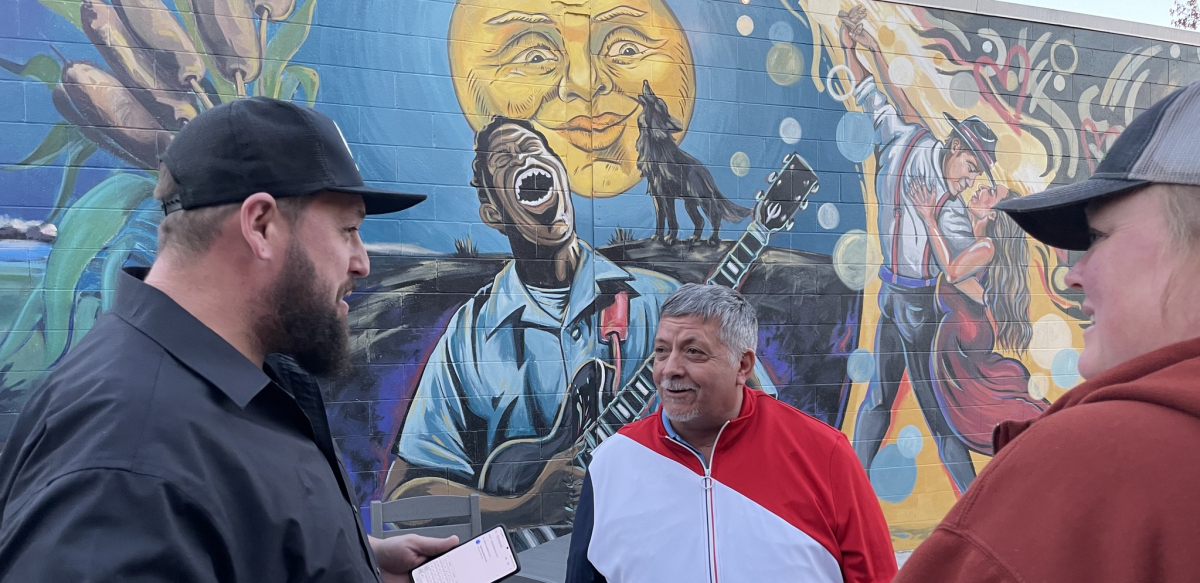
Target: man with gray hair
(788,500)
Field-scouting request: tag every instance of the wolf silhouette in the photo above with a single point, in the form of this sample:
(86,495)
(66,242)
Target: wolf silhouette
(674,174)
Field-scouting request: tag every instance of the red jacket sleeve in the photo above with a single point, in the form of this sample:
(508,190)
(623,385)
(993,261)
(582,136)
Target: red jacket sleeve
(862,533)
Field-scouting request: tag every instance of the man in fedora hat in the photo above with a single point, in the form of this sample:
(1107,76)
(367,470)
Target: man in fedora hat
(171,444)
(912,162)
(1110,465)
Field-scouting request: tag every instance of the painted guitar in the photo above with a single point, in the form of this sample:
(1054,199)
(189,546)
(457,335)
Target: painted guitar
(515,465)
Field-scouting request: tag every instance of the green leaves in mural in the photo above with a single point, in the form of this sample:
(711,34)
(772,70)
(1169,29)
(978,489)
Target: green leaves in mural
(78,151)
(41,67)
(283,46)
(62,137)
(52,145)
(86,229)
(68,9)
(302,76)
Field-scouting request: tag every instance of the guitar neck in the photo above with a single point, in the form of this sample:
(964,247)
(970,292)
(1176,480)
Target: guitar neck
(731,272)
(626,407)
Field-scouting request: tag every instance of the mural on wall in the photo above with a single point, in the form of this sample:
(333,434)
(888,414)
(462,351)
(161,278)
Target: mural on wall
(835,161)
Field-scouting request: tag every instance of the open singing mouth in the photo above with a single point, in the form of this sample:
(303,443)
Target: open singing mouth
(533,186)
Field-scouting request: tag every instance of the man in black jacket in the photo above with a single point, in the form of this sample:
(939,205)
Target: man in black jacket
(168,445)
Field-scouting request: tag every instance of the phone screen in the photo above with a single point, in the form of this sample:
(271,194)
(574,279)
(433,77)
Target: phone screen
(484,559)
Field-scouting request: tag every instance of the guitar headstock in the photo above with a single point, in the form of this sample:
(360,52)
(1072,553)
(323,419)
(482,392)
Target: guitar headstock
(787,194)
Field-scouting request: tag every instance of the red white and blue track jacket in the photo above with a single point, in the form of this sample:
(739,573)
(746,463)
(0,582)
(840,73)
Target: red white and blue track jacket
(783,498)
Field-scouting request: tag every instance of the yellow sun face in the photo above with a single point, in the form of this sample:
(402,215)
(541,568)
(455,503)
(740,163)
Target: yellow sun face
(573,69)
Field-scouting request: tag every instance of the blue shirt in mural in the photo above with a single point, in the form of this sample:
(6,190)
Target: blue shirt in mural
(502,368)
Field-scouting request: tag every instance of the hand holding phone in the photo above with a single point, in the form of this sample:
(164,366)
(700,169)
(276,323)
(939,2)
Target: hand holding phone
(486,558)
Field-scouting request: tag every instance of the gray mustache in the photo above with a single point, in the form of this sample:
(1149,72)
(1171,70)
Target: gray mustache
(677,385)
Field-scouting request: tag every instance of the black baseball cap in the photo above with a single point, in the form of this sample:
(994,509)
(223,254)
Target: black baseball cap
(260,144)
(1159,146)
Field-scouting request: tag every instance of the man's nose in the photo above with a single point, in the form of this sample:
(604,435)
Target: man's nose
(671,366)
(360,264)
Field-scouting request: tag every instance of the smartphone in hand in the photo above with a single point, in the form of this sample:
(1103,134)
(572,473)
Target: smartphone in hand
(487,558)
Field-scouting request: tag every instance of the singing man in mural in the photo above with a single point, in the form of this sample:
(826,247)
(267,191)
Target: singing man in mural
(522,355)
(502,369)
(909,154)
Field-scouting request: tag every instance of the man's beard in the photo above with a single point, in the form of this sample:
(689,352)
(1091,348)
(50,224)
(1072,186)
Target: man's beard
(673,413)
(304,324)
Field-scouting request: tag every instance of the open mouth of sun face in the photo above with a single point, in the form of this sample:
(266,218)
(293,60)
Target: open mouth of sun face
(534,186)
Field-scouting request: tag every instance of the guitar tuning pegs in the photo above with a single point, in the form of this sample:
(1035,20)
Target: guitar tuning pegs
(787,157)
(789,225)
(758,195)
(804,204)
(771,177)
(816,187)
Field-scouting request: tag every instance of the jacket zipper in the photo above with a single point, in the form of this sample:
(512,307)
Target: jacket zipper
(706,482)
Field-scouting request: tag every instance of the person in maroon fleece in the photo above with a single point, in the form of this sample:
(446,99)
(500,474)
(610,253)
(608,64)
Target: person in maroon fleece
(1102,487)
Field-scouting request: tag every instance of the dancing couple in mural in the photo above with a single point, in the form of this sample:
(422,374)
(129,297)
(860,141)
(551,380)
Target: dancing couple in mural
(948,264)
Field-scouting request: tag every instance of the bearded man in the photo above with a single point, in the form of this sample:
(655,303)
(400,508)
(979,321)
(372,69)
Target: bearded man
(167,445)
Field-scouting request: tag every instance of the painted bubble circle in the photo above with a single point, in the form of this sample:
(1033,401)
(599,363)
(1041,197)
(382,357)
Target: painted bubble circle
(745,25)
(901,71)
(1065,368)
(1174,51)
(964,92)
(893,476)
(828,216)
(1050,334)
(910,441)
(860,366)
(790,130)
(781,32)
(1060,82)
(1059,52)
(850,259)
(785,64)
(856,136)
(987,46)
(739,163)
(1039,385)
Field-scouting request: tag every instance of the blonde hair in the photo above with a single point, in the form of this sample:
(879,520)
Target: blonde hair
(1181,205)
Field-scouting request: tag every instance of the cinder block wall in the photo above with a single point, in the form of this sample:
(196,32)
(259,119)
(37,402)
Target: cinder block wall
(773,131)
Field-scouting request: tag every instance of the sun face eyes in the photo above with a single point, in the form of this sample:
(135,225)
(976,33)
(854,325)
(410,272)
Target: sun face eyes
(626,48)
(535,56)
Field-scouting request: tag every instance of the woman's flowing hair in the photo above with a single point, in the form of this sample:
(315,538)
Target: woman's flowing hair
(1005,287)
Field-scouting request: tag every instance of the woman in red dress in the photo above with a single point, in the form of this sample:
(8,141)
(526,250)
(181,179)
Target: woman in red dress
(984,299)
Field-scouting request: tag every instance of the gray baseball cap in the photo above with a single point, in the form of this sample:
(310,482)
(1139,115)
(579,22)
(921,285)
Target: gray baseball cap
(1160,145)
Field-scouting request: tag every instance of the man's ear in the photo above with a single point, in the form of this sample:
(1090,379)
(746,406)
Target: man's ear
(745,366)
(491,216)
(954,145)
(262,226)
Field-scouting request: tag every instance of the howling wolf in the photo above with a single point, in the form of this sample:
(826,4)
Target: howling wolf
(672,173)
